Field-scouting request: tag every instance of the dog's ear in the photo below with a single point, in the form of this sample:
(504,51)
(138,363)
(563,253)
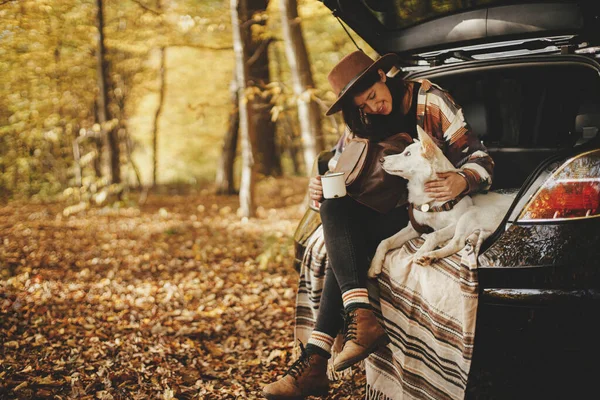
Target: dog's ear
(427,144)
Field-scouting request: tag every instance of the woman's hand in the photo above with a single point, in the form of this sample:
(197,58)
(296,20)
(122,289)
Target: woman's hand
(315,188)
(447,187)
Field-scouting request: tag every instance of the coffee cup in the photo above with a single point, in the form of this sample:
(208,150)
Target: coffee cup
(334,185)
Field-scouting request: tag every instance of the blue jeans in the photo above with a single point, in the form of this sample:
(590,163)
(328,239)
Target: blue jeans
(352,233)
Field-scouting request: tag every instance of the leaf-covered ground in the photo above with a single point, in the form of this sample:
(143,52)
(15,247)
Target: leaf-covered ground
(179,298)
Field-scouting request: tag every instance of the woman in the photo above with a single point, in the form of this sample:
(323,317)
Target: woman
(374,106)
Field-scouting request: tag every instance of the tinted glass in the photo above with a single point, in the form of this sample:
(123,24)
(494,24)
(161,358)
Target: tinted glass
(397,14)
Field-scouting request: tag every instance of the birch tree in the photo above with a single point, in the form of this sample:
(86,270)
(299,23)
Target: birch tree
(224,179)
(247,133)
(159,110)
(309,113)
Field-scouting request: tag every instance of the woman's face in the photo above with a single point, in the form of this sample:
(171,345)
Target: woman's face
(377,99)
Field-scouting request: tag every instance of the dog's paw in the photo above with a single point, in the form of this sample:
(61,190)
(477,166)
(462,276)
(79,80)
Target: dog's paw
(376,265)
(374,271)
(425,259)
(377,261)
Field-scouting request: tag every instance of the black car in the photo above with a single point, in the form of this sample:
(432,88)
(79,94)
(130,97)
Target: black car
(528,78)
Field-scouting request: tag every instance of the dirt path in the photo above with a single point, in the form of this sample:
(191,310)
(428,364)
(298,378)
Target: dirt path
(177,299)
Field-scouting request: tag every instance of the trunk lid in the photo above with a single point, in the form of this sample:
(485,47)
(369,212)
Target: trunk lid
(430,30)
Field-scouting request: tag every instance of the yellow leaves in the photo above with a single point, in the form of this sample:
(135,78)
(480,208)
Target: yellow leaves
(225,211)
(47,380)
(26,369)
(214,349)
(100,197)
(88,158)
(168,394)
(306,95)
(275,112)
(277,353)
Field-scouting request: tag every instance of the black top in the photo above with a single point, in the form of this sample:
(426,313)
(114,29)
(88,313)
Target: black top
(408,124)
(396,122)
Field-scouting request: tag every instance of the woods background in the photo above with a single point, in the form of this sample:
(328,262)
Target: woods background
(101,96)
(154,157)
(149,193)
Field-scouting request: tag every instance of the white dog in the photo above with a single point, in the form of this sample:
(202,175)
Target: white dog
(419,163)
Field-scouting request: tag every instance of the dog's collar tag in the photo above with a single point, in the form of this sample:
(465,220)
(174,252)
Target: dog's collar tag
(425,207)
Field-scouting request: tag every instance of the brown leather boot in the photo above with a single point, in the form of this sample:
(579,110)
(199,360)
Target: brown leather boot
(364,334)
(306,377)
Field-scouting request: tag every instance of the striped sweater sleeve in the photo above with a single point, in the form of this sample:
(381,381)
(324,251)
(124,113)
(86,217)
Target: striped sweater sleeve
(443,119)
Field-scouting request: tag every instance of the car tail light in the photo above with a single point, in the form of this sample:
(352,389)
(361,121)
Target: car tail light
(571,192)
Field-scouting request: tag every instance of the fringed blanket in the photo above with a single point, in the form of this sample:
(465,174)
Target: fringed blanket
(429,313)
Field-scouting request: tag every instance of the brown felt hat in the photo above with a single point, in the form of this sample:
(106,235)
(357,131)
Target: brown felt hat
(351,69)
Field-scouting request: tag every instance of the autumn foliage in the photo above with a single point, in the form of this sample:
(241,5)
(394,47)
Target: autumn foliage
(177,299)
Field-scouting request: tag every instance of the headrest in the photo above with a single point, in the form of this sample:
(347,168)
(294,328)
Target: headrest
(587,121)
(476,115)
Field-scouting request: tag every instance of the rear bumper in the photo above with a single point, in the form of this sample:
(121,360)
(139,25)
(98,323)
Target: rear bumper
(540,297)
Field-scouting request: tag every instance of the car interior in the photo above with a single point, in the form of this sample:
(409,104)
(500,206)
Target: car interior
(523,114)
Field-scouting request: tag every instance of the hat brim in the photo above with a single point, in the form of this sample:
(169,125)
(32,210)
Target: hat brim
(385,63)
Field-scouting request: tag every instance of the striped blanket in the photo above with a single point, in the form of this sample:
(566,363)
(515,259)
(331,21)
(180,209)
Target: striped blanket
(429,313)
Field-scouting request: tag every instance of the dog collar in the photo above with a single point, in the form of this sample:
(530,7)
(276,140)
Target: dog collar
(447,206)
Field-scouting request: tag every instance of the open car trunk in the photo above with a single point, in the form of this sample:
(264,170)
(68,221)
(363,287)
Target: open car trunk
(524,111)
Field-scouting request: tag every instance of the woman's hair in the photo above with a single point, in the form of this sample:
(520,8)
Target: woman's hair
(373,126)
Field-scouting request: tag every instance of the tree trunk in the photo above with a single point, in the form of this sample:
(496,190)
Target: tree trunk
(297,56)
(129,152)
(247,133)
(267,157)
(224,179)
(98,143)
(292,137)
(161,101)
(111,138)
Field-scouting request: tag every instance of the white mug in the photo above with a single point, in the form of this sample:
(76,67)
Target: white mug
(334,185)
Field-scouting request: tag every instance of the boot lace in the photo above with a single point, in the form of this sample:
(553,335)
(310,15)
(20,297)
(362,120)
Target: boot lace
(300,364)
(349,325)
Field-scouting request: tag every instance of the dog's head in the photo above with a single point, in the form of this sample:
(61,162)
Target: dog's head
(418,159)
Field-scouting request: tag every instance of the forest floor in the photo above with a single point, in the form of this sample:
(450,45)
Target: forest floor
(178,298)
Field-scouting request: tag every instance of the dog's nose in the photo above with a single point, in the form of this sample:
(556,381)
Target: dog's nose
(381,160)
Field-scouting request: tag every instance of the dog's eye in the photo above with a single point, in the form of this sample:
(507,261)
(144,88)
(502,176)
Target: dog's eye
(407,154)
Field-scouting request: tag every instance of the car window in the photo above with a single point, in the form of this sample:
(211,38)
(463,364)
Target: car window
(398,14)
